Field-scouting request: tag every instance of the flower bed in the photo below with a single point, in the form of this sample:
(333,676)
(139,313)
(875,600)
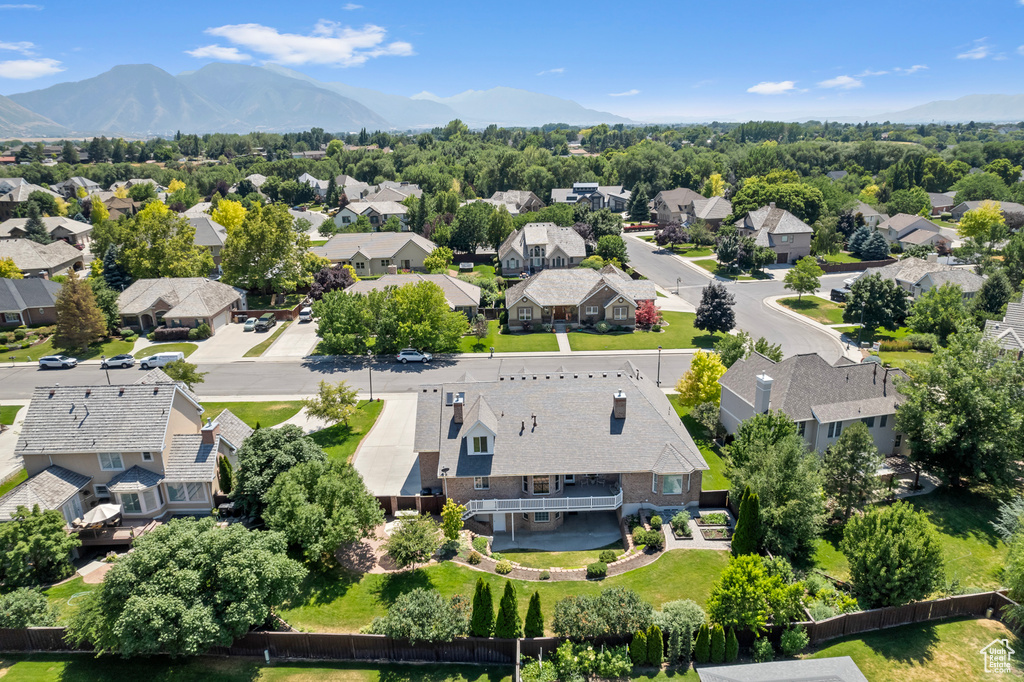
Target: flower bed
(713,519)
(716,533)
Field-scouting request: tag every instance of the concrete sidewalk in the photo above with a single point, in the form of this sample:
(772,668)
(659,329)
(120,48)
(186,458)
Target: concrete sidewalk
(846,349)
(10,463)
(386,458)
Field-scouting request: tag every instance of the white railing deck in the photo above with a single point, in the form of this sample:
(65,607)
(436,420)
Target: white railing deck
(603,503)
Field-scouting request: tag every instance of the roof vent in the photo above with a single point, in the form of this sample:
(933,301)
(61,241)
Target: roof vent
(120,391)
(156,389)
(52,391)
(88,392)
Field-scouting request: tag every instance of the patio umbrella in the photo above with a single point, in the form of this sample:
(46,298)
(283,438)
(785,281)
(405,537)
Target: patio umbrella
(101,513)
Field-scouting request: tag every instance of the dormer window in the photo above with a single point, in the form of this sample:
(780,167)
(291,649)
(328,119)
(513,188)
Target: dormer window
(480,445)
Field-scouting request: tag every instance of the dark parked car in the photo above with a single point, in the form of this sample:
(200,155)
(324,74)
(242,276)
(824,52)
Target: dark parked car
(839,295)
(266,321)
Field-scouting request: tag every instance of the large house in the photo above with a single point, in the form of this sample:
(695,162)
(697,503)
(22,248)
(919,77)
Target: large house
(69,188)
(712,211)
(965,206)
(913,230)
(41,260)
(612,197)
(377,212)
(319,187)
(917,276)
(1008,333)
(179,302)
(527,450)
(522,199)
(461,296)
(141,445)
(821,398)
(14,192)
(373,253)
(58,227)
(674,205)
(778,229)
(28,302)
(537,246)
(210,234)
(577,297)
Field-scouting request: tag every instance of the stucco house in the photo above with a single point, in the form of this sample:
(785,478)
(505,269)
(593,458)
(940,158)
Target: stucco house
(140,445)
(28,302)
(536,246)
(577,297)
(179,302)
(14,192)
(210,234)
(372,253)
(913,230)
(319,187)
(917,276)
(42,260)
(821,398)
(461,296)
(778,229)
(529,449)
(674,205)
(378,213)
(612,197)
(58,227)
(522,199)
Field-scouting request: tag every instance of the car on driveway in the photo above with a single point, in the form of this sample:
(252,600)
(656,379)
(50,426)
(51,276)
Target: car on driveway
(839,295)
(57,361)
(118,361)
(407,355)
(250,325)
(266,321)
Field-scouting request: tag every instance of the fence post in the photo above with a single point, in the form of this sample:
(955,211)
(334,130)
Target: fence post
(518,678)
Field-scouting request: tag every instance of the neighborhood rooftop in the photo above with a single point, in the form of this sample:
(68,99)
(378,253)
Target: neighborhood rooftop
(370,244)
(456,292)
(187,296)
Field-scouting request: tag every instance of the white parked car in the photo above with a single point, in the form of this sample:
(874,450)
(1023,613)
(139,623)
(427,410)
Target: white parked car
(161,359)
(306,314)
(250,324)
(412,355)
(57,361)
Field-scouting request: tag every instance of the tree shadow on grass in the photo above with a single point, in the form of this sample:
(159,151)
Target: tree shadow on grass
(320,588)
(706,340)
(392,585)
(961,513)
(799,304)
(910,644)
(442,673)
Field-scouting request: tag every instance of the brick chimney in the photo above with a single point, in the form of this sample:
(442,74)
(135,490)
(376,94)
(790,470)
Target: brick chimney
(619,404)
(210,431)
(458,404)
(763,395)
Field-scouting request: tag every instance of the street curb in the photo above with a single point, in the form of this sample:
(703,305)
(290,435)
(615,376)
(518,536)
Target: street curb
(844,349)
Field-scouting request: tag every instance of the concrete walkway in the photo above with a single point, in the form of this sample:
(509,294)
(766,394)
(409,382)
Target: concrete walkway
(10,463)
(563,342)
(386,459)
(297,341)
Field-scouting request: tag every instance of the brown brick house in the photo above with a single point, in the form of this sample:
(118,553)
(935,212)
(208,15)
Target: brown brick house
(28,302)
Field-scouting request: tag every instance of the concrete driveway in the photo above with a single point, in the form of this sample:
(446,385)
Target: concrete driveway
(297,341)
(229,343)
(386,459)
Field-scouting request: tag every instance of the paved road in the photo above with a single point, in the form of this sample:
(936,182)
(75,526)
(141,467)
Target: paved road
(303,376)
(752,315)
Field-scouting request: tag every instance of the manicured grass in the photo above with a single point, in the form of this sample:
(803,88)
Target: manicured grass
(484,271)
(340,441)
(716,269)
(538,559)
(318,242)
(186,348)
(509,343)
(660,295)
(972,551)
(345,602)
(842,258)
(947,650)
(8,413)
(18,479)
(87,668)
(714,478)
(262,301)
(261,347)
(903,359)
(679,333)
(268,413)
(67,596)
(108,348)
(818,309)
(880,334)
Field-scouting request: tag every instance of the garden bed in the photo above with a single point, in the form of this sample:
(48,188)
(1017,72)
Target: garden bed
(716,533)
(713,519)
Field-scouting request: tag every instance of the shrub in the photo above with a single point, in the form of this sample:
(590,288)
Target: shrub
(655,646)
(204,331)
(504,567)
(794,640)
(131,338)
(702,647)
(170,334)
(496,556)
(480,544)
(19,334)
(681,523)
(545,327)
(24,608)
(717,644)
(763,652)
(126,331)
(715,518)
(639,536)
(545,575)
(474,557)
(602,327)
(820,611)
(656,522)
(815,584)
(732,647)
(25,344)
(615,611)
(598,569)
(638,648)
(607,556)
(655,540)
(655,327)
(632,521)
(193,334)
(4,349)
(923,342)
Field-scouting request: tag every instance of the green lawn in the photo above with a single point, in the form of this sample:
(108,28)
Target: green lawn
(715,268)
(484,271)
(879,334)
(537,559)
(818,309)
(972,551)
(340,441)
(680,333)
(947,650)
(714,478)
(261,347)
(108,348)
(262,301)
(269,413)
(903,359)
(87,668)
(345,602)
(11,484)
(186,348)
(318,242)
(66,596)
(842,258)
(8,413)
(509,343)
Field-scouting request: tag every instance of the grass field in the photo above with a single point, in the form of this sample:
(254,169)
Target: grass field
(269,413)
(318,242)
(345,602)
(715,268)
(66,596)
(680,333)
(261,347)
(8,413)
(879,334)
(108,348)
(186,348)
(262,301)
(508,343)
(903,359)
(714,478)
(539,559)
(18,479)
(484,271)
(818,309)
(340,441)
(842,258)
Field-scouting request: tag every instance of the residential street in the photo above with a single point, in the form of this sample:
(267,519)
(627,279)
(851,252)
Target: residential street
(752,314)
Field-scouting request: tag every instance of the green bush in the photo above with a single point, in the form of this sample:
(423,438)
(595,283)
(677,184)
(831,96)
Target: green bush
(923,342)
(638,648)
(655,646)
(702,647)
(480,544)
(19,334)
(714,519)
(598,569)
(4,349)
(126,331)
(193,334)
(654,540)
(718,644)
(895,346)
(497,556)
(763,652)
(632,522)
(504,567)
(814,584)
(204,331)
(656,522)
(545,575)
(681,523)
(732,647)
(607,556)
(474,557)
(602,327)
(25,344)
(24,608)
(655,327)
(794,640)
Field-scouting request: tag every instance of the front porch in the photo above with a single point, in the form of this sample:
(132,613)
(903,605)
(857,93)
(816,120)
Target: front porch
(579,532)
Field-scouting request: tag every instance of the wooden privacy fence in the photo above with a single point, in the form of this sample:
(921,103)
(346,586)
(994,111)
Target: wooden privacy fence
(853,267)
(718,499)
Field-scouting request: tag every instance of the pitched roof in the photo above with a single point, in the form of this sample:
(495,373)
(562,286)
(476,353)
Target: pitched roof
(912,270)
(382,207)
(836,174)
(569,408)
(868,211)
(1006,206)
(189,459)
(370,244)
(314,218)
(922,235)
(199,209)
(517,197)
(19,294)
(775,221)
(939,200)
(967,281)
(571,196)
(19,193)
(50,489)
(905,221)
(572,286)
(186,296)
(837,669)
(133,480)
(715,208)
(679,198)
(232,429)
(806,387)
(209,233)
(1008,333)
(456,292)
(29,255)
(550,235)
(158,376)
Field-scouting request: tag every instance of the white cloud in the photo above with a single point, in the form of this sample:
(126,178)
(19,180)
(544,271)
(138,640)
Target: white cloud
(980,50)
(770,88)
(560,70)
(913,69)
(842,82)
(21,7)
(219,52)
(868,72)
(329,43)
(627,93)
(1020,50)
(27,69)
(23,46)
(351,6)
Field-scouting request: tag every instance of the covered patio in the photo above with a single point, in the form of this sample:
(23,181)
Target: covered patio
(580,531)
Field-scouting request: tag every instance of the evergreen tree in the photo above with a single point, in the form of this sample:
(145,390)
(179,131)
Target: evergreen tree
(534,618)
(874,247)
(685,647)
(990,301)
(508,625)
(638,648)
(702,648)
(421,215)
(718,644)
(747,536)
(35,229)
(732,647)
(640,211)
(655,646)
(858,238)
(114,275)
(79,320)
(224,475)
(68,153)
(715,313)
(482,622)
(673,647)
(332,192)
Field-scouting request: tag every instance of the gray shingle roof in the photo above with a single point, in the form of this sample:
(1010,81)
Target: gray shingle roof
(73,419)
(807,387)
(189,459)
(19,294)
(1006,206)
(158,376)
(575,432)
(965,279)
(19,193)
(370,244)
(232,429)
(133,480)
(28,255)
(903,222)
(775,221)
(51,223)
(678,199)
(912,270)
(549,235)
(208,232)
(456,292)
(573,286)
(836,174)
(940,200)
(921,236)
(838,669)
(715,208)
(186,296)
(1009,333)
(50,489)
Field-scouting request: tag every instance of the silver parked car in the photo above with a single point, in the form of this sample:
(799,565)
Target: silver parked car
(121,361)
(407,355)
(57,361)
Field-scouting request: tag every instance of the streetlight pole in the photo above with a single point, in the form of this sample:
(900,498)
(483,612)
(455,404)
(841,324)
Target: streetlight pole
(659,366)
(369,357)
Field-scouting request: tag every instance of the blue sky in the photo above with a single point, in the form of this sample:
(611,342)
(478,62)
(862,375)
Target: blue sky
(656,61)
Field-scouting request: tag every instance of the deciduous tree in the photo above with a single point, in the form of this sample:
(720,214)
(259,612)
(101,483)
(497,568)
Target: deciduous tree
(334,403)
(850,469)
(186,372)
(34,548)
(8,270)
(413,541)
(228,214)
(451,519)
(804,277)
(331,279)
(984,224)
(425,615)
(26,607)
(500,227)
(262,457)
(264,253)
(700,383)
(940,311)
(875,302)
(612,247)
(439,260)
(159,243)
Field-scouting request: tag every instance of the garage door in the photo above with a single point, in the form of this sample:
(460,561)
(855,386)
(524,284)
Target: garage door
(221,320)
(783,258)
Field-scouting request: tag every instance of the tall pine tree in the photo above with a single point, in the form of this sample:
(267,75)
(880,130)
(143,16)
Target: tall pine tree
(79,320)
(508,624)
(702,647)
(482,622)
(718,644)
(655,646)
(35,229)
(114,275)
(747,537)
(534,618)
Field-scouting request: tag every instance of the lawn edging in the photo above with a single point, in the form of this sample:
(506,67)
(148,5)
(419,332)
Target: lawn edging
(773,303)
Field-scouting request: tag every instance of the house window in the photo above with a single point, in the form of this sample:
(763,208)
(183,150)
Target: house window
(147,456)
(784,238)
(899,439)
(869,422)
(374,220)
(12,317)
(345,220)
(384,262)
(481,483)
(185,492)
(558,483)
(591,310)
(131,503)
(801,428)
(541,485)
(882,421)
(513,263)
(541,517)
(111,461)
(149,499)
(525,314)
(101,490)
(479,444)
(620,312)
(195,491)
(526,484)
(360,265)
(672,485)
(834,429)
